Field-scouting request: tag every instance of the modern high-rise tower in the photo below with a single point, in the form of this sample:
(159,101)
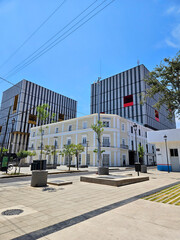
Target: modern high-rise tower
(121,94)
(23,98)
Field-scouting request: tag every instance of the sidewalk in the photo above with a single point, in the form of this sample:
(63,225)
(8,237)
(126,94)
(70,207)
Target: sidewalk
(90,211)
(60,169)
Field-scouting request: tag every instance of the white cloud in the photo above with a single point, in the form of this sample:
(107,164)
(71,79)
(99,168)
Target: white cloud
(174,39)
(172,10)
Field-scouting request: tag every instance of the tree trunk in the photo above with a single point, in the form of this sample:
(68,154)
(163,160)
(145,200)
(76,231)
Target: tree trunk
(69,161)
(77,159)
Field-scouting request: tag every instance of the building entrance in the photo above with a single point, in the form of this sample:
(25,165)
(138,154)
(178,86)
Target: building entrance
(131,157)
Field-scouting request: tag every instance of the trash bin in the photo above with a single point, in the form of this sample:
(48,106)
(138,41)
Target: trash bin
(137,167)
(38,165)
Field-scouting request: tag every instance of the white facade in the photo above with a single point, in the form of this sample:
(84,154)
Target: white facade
(118,140)
(170,159)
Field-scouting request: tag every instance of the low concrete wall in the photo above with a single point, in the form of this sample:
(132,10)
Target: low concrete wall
(113,182)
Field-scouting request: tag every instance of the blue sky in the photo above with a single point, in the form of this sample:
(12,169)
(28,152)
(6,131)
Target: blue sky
(125,31)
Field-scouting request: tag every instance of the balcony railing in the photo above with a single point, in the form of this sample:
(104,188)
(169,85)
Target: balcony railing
(106,145)
(123,146)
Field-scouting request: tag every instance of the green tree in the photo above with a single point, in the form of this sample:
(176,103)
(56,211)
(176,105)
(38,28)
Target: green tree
(23,154)
(165,79)
(43,115)
(53,152)
(69,151)
(47,150)
(4,150)
(79,148)
(141,153)
(98,129)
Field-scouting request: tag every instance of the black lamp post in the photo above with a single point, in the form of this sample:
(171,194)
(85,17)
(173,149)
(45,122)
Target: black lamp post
(165,139)
(137,164)
(135,129)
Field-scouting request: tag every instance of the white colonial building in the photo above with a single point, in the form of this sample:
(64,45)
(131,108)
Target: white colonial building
(166,157)
(118,140)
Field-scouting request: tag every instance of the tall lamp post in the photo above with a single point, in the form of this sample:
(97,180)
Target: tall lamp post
(135,129)
(98,108)
(165,139)
(137,164)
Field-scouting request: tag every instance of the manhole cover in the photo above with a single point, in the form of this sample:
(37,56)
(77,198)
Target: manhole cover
(49,189)
(11,212)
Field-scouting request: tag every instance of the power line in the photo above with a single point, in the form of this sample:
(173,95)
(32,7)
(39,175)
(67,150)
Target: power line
(52,37)
(61,38)
(32,34)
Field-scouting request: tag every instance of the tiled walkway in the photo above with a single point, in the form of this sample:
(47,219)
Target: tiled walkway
(82,210)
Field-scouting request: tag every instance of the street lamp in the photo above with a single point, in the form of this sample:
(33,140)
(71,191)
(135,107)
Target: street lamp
(11,139)
(135,129)
(55,145)
(165,139)
(98,108)
(137,164)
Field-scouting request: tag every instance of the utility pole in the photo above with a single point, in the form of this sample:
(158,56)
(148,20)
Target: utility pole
(4,137)
(98,108)
(11,139)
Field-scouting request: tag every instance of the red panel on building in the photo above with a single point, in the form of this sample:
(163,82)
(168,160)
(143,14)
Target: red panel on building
(157,115)
(128,101)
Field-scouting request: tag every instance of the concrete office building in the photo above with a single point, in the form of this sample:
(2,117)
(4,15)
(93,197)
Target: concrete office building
(118,140)
(121,94)
(171,158)
(23,98)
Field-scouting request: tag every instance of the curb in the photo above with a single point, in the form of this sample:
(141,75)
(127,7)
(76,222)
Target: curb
(49,173)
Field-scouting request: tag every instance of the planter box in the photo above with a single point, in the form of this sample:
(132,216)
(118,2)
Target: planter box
(39,178)
(143,168)
(103,170)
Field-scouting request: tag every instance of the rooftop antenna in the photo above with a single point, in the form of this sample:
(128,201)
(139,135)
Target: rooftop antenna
(100,67)
(138,62)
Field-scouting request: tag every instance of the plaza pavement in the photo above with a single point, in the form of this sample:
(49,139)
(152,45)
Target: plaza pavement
(90,211)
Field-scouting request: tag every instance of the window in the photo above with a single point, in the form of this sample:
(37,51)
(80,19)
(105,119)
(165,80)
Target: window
(70,128)
(157,115)
(132,145)
(84,141)
(84,125)
(128,101)
(123,142)
(106,142)
(105,159)
(106,123)
(33,134)
(147,148)
(145,134)
(32,146)
(55,143)
(32,119)
(139,132)
(123,127)
(42,132)
(131,129)
(0,129)
(15,103)
(68,141)
(61,117)
(56,130)
(174,152)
